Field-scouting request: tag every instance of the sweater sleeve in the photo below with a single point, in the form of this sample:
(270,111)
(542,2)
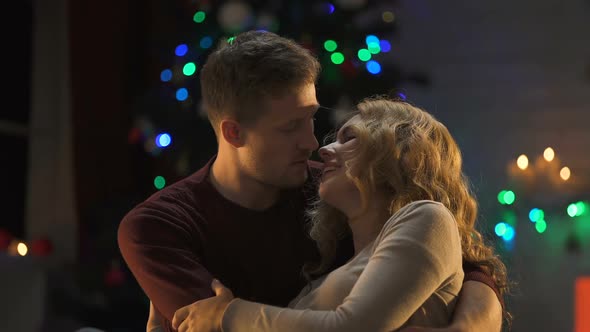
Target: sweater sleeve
(160,245)
(415,253)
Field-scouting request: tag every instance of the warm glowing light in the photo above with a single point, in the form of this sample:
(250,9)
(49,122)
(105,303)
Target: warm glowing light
(387,17)
(565,173)
(522,162)
(22,249)
(549,154)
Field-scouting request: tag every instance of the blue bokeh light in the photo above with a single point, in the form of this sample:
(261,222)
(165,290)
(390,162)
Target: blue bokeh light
(166,75)
(373,67)
(181,50)
(181,94)
(206,42)
(385,46)
(163,140)
(371,39)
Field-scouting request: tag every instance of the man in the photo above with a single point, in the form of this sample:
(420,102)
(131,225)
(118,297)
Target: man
(241,218)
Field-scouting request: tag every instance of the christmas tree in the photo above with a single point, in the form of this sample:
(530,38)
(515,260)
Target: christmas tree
(351,38)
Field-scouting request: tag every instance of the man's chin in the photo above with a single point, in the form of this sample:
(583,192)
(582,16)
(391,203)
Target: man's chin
(292,181)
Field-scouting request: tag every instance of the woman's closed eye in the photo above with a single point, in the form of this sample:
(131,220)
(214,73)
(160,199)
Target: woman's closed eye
(347,138)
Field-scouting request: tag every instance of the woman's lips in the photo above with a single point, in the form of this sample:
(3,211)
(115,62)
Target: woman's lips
(328,170)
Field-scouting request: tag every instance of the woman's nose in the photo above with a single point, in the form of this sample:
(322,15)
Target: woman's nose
(326,153)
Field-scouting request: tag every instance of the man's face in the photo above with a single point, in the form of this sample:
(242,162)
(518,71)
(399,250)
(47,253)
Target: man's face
(279,144)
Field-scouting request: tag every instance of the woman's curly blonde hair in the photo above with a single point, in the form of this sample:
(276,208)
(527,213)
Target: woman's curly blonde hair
(406,153)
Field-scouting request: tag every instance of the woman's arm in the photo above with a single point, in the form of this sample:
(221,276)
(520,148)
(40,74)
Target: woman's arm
(412,258)
(154,323)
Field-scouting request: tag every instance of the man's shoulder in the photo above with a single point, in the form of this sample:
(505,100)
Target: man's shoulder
(180,199)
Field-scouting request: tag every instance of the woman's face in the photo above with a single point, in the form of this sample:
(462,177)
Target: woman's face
(335,187)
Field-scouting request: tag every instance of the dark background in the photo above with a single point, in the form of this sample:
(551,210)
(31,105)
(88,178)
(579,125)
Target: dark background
(506,78)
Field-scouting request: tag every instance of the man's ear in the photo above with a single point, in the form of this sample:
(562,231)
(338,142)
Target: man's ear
(232,132)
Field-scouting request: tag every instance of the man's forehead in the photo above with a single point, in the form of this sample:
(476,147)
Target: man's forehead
(292,106)
(301,96)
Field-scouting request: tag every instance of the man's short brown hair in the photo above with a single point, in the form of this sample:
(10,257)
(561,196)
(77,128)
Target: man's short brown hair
(244,70)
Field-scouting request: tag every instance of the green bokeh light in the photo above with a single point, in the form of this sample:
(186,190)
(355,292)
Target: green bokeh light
(501,197)
(199,17)
(189,68)
(337,58)
(374,48)
(364,54)
(159,182)
(582,208)
(572,210)
(541,226)
(330,45)
(509,197)
(500,229)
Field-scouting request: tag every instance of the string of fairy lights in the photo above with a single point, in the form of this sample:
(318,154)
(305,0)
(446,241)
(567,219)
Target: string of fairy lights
(549,169)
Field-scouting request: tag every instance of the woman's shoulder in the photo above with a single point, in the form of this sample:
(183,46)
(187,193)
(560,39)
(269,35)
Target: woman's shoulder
(427,224)
(427,215)
(425,208)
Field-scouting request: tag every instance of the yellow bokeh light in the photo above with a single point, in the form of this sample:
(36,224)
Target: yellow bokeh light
(549,154)
(388,17)
(565,173)
(522,162)
(22,249)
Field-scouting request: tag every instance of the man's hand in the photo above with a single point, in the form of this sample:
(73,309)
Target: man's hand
(478,309)
(204,315)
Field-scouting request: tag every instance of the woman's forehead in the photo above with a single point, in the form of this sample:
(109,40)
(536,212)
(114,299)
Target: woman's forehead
(353,120)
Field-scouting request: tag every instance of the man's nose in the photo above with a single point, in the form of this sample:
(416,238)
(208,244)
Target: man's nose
(309,142)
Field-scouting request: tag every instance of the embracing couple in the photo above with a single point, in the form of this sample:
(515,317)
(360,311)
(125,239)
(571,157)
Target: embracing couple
(379,236)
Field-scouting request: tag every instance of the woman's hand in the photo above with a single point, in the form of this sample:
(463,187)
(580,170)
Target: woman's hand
(204,315)
(154,323)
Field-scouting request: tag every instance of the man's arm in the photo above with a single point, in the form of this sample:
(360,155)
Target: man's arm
(478,309)
(161,246)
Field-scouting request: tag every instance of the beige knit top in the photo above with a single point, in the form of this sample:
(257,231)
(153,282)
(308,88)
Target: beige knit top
(410,274)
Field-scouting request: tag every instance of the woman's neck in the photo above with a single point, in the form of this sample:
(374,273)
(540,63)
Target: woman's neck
(366,226)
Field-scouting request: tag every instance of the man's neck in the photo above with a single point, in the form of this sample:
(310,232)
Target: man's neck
(239,188)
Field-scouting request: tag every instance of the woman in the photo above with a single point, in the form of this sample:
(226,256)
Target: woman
(393,179)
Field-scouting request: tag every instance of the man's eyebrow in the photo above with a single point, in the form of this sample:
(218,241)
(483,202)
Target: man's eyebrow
(313,109)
